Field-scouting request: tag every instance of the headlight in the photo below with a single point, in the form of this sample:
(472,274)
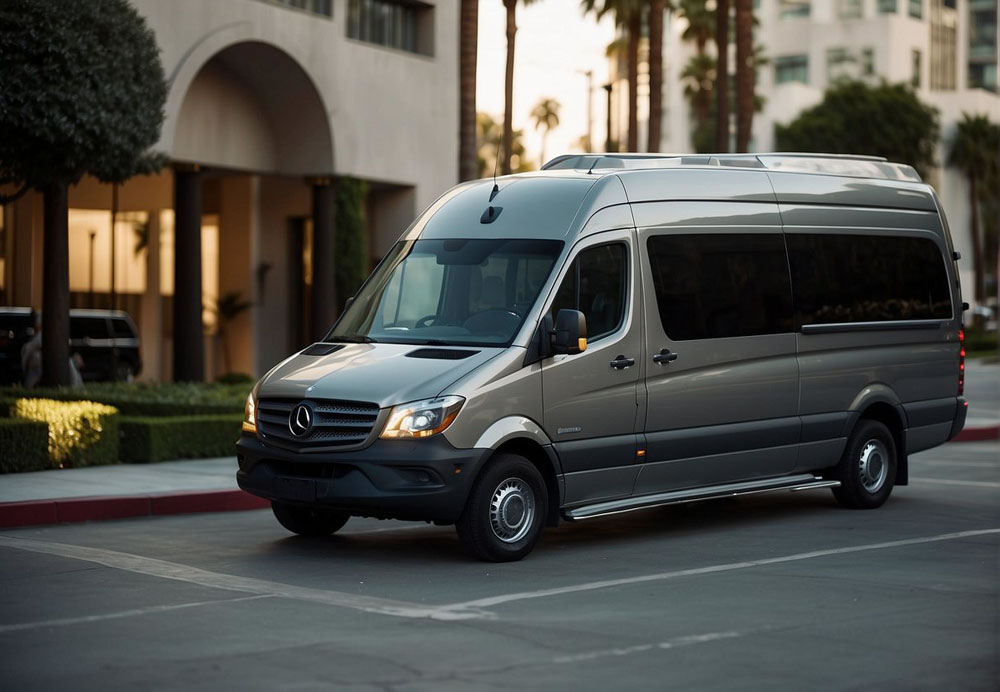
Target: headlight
(250,411)
(422,418)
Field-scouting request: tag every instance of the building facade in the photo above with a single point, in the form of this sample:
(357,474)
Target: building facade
(270,102)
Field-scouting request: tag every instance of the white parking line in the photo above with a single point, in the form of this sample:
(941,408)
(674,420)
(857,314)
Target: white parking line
(62,622)
(193,575)
(951,481)
(967,464)
(491,601)
(640,648)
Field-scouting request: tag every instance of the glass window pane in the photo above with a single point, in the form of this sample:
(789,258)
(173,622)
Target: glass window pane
(861,278)
(721,285)
(595,285)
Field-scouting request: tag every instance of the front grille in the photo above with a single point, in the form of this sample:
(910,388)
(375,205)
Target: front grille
(334,423)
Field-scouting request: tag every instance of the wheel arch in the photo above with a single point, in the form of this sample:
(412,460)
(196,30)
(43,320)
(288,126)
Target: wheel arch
(544,459)
(888,411)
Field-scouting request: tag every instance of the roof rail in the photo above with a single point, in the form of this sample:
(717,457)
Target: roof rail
(851,165)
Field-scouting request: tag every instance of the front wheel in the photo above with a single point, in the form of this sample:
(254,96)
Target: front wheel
(867,471)
(309,521)
(505,513)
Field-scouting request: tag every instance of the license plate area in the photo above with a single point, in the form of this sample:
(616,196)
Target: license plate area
(298,489)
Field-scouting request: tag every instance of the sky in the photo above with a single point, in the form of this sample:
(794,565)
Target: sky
(555,43)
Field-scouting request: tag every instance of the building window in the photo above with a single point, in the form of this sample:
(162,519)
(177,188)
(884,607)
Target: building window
(917,9)
(887,6)
(791,68)
(850,9)
(793,8)
(915,71)
(392,23)
(944,46)
(838,64)
(323,7)
(867,62)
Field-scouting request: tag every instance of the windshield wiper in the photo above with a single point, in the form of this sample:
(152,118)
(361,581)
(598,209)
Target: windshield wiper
(351,339)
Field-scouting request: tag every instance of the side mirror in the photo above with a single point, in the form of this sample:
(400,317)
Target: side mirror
(570,333)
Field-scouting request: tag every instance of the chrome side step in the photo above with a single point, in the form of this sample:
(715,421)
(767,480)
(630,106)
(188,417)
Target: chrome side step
(806,481)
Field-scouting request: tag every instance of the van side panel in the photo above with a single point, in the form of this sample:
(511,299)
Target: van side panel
(844,369)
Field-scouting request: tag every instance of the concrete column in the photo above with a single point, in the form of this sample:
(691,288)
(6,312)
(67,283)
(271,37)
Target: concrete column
(324,299)
(151,324)
(189,348)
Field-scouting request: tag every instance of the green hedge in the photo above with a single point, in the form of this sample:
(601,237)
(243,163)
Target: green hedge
(24,445)
(147,399)
(145,439)
(81,433)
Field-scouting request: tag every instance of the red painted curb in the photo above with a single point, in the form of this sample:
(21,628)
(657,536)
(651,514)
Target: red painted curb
(69,510)
(991,432)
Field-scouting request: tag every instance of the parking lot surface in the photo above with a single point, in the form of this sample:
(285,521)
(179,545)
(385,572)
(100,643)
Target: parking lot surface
(778,591)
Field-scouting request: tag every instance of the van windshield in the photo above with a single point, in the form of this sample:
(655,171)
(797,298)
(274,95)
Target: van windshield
(459,291)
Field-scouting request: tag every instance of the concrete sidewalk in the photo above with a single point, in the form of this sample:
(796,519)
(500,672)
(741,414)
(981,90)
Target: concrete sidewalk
(209,485)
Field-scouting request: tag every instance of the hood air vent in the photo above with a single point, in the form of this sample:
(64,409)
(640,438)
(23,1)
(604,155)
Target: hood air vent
(322,349)
(440,354)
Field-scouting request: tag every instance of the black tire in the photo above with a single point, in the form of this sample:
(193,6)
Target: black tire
(867,470)
(505,513)
(309,521)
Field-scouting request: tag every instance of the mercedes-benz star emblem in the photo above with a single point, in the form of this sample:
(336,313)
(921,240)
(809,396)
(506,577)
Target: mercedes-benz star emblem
(300,421)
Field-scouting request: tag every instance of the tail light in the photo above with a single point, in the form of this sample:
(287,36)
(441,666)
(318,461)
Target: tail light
(961,362)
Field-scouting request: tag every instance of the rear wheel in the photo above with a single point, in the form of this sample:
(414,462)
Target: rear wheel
(505,513)
(867,471)
(308,521)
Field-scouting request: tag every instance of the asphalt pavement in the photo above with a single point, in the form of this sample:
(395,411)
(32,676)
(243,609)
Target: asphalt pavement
(779,591)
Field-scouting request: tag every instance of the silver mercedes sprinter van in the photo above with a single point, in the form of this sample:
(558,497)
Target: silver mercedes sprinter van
(617,332)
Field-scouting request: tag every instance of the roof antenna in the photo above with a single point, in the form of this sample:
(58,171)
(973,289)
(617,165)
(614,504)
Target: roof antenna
(496,159)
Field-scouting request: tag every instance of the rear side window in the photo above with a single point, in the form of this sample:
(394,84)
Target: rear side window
(865,278)
(122,329)
(88,328)
(595,285)
(711,286)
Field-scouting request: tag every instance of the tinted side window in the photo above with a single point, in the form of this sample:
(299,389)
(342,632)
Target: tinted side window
(595,285)
(88,327)
(122,329)
(711,286)
(864,278)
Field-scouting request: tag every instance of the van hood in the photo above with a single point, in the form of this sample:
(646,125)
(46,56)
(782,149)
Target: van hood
(384,374)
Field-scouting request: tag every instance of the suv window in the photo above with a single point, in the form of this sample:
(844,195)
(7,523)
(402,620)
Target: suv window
(121,328)
(88,328)
(710,286)
(596,286)
(867,278)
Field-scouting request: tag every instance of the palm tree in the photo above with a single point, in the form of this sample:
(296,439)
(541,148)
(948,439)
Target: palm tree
(722,76)
(699,81)
(656,10)
(508,90)
(973,151)
(628,14)
(745,73)
(488,147)
(546,115)
(468,33)
(701,23)
(227,308)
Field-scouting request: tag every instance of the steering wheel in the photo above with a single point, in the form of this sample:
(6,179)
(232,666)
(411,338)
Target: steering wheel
(424,321)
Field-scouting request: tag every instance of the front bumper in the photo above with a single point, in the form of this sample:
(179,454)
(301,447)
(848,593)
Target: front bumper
(423,480)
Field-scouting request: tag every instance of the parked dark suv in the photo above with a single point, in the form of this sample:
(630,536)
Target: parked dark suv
(107,341)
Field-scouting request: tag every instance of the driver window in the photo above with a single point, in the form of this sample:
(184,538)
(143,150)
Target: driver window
(595,285)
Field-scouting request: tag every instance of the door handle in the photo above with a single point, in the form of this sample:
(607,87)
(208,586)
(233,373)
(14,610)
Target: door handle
(664,356)
(621,362)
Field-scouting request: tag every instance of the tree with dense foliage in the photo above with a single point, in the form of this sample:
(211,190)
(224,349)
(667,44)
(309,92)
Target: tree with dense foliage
(628,14)
(350,242)
(976,150)
(700,23)
(468,39)
(546,117)
(508,90)
(856,118)
(699,84)
(81,91)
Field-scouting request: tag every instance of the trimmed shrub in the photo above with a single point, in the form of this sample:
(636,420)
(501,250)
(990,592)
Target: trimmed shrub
(24,445)
(149,399)
(145,440)
(81,433)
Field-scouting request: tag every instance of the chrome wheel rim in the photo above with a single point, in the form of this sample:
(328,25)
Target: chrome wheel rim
(512,510)
(873,465)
